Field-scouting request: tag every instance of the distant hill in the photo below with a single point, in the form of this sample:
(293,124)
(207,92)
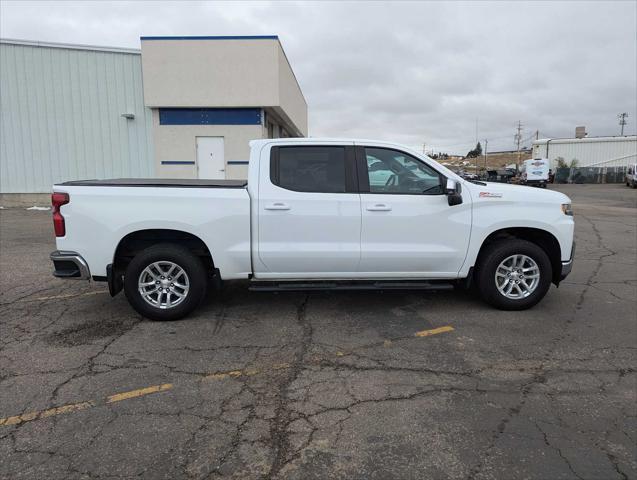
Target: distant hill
(494,160)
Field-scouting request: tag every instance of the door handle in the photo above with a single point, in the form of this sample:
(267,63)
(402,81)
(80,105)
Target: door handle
(277,206)
(379,207)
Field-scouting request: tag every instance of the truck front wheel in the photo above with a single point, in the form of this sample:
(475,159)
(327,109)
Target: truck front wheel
(165,282)
(513,274)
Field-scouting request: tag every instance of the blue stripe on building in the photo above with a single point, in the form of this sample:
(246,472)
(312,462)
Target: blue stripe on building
(238,162)
(177,162)
(210,116)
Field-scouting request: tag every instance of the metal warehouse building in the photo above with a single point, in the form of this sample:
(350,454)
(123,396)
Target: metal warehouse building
(181,107)
(588,151)
(61,110)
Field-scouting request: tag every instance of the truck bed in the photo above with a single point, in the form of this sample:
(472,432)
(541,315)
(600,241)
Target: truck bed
(101,213)
(157,182)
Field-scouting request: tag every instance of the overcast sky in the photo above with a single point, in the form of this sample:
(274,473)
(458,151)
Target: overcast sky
(410,72)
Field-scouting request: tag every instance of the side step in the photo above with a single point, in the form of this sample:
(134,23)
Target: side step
(299,286)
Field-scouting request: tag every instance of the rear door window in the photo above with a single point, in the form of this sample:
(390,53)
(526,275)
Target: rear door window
(309,168)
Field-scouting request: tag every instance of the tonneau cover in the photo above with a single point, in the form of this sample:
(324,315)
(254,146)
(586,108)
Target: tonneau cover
(158,182)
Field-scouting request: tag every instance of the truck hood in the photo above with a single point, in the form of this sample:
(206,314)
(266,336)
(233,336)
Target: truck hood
(514,193)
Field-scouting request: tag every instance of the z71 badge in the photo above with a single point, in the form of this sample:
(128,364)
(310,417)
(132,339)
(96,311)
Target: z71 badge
(490,195)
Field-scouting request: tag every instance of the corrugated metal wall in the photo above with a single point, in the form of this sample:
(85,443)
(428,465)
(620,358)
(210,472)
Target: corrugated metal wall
(613,152)
(61,117)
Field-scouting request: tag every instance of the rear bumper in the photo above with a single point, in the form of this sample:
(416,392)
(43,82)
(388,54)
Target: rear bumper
(69,265)
(568,265)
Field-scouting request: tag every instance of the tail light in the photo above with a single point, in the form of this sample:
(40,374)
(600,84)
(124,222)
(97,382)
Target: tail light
(57,200)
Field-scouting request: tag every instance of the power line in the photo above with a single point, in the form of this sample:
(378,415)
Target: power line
(490,139)
(528,138)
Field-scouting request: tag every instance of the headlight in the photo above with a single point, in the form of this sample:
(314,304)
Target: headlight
(567,209)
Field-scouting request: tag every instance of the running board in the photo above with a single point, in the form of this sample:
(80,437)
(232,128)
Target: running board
(291,286)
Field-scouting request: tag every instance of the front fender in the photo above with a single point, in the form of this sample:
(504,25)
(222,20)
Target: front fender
(494,216)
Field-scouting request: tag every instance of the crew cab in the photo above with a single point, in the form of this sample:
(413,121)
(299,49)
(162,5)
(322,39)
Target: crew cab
(313,214)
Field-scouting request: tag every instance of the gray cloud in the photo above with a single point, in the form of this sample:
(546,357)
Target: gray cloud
(408,72)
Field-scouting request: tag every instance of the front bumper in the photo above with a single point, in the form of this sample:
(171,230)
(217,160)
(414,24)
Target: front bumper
(568,266)
(535,183)
(70,265)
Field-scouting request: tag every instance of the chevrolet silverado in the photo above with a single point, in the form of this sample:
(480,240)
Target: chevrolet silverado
(313,214)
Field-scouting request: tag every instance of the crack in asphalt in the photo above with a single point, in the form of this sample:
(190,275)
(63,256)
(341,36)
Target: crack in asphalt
(540,374)
(279,427)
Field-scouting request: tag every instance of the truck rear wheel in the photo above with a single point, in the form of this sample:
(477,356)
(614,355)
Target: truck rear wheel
(513,274)
(165,282)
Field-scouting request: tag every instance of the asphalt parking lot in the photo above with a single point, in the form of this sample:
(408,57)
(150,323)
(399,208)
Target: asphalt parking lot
(324,385)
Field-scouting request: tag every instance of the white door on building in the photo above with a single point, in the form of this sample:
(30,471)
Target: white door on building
(210,160)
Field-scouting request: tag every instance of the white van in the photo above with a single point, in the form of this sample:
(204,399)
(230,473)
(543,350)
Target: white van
(535,172)
(631,175)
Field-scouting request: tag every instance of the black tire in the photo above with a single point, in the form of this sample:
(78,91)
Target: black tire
(189,263)
(497,252)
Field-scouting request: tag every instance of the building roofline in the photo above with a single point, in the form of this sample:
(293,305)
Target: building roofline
(69,46)
(615,138)
(212,37)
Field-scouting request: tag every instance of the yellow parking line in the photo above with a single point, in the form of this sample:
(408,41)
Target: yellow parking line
(27,417)
(230,374)
(244,373)
(66,409)
(434,331)
(389,342)
(118,397)
(74,407)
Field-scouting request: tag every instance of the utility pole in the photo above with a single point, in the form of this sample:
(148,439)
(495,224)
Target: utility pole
(518,139)
(622,121)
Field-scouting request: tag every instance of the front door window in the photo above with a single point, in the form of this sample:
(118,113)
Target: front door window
(392,171)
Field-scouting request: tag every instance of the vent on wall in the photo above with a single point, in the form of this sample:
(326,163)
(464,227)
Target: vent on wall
(580,132)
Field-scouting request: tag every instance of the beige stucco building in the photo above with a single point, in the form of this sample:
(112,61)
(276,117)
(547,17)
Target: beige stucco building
(210,95)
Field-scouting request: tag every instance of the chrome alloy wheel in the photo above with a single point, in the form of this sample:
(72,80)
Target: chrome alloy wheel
(163,284)
(517,276)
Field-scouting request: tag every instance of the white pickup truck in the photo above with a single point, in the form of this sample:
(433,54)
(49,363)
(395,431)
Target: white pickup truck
(314,214)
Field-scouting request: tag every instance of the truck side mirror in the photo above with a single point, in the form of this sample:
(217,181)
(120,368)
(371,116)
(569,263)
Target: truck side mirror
(454,192)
